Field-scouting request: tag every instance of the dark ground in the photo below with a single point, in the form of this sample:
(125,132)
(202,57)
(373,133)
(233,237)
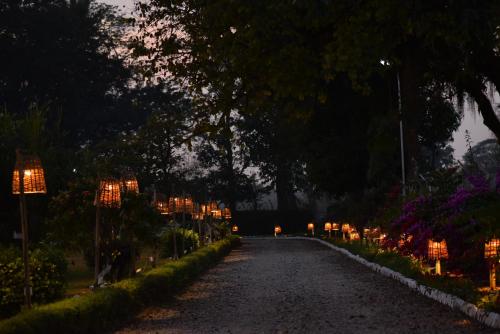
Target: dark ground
(298,286)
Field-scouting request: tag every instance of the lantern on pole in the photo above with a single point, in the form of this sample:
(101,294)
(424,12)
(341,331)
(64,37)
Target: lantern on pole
(277,230)
(28,178)
(345,230)
(109,193)
(226,213)
(234,229)
(107,196)
(310,227)
(130,184)
(491,255)
(437,251)
(353,235)
(328,227)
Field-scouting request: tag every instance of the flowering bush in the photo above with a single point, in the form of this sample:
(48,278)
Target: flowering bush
(464,217)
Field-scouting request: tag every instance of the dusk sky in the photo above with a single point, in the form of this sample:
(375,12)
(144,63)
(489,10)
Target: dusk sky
(472,122)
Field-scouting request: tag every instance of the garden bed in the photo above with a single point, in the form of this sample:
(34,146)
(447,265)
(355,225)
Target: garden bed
(96,312)
(458,293)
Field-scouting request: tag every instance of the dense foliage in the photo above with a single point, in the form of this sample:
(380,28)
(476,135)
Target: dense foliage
(97,312)
(48,277)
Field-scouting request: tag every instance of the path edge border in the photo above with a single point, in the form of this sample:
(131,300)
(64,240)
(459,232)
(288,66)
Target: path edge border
(491,319)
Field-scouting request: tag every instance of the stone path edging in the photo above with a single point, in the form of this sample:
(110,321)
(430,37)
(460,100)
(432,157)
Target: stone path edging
(491,319)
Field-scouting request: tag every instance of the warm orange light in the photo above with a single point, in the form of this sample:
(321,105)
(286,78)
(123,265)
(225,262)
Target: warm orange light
(226,213)
(109,193)
(354,236)
(180,204)
(310,227)
(217,214)
(491,248)
(335,227)
(437,250)
(34,178)
(345,228)
(130,184)
(328,226)
(234,228)
(277,229)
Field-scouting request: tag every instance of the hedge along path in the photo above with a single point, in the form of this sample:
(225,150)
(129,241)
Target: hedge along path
(491,319)
(107,307)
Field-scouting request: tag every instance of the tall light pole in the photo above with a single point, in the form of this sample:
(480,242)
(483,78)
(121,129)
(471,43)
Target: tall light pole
(401,135)
(401,139)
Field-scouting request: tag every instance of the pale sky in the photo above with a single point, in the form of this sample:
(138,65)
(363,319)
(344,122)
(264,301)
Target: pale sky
(472,122)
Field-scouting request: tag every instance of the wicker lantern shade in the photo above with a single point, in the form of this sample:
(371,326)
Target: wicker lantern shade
(277,230)
(34,178)
(130,184)
(235,228)
(335,227)
(328,227)
(354,235)
(217,213)
(162,206)
(181,204)
(345,228)
(109,193)
(491,253)
(226,213)
(437,250)
(310,227)
(491,248)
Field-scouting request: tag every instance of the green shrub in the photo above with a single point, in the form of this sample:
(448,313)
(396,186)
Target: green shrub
(47,272)
(100,311)
(191,242)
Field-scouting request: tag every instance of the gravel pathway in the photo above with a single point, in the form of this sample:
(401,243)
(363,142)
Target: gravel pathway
(298,286)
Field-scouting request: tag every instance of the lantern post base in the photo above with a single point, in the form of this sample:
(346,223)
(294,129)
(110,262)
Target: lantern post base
(493,276)
(329,234)
(438,267)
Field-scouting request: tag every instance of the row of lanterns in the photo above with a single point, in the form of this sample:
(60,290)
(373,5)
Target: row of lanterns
(186,205)
(436,250)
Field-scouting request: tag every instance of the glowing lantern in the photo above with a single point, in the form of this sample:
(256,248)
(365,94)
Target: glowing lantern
(234,229)
(354,235)
(491,254)
(277,230)
(34,178)
(345,229)
(328,227)
(437,251)
(180,204)
(162,206)
(491,248)
(130,184)
(226,213)
(108,195)
(28,178)
(335,227)
(310,227)
(217,214)
(366,232)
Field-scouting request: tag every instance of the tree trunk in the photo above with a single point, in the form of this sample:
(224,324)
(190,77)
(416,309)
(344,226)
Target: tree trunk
(284,187)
